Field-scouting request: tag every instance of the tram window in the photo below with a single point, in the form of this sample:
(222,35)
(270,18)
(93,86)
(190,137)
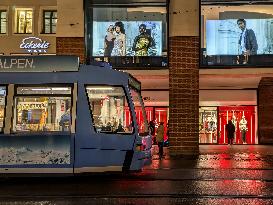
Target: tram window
(109,108)
(2,106)
(140,111)
(42,109)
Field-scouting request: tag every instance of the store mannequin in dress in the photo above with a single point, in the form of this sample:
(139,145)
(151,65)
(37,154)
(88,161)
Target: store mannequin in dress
(243,128)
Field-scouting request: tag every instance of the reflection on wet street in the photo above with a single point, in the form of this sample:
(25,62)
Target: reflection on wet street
(219,175)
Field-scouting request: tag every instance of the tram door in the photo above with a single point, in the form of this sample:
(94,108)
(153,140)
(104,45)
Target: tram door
(244,120)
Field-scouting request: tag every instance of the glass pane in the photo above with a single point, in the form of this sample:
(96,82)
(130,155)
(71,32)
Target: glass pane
(29,14)
(29,26)
(53,29)
(208,125)
(42,114)
(47,14)
(47,29)
(54,22)
(3,14)
(54,15)
(140,112)
(244,120)
(44,90)
(2,107)
(109,105)
(3,26)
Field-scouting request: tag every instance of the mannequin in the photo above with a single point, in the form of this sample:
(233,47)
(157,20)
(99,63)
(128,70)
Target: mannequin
(243,128)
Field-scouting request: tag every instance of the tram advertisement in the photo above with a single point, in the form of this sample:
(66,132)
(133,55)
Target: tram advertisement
(33,149)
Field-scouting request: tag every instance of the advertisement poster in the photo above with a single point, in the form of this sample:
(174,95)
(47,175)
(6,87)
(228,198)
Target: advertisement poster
(32,149)
(235,37)
(127,38)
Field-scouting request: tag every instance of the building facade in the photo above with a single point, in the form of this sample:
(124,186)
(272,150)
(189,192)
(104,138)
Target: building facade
(183,81)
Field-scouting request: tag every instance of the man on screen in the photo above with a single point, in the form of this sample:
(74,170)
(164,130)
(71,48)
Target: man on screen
(143,42)
(247,42)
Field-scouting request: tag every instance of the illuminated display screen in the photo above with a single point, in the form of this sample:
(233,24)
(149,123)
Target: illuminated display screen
(127,38)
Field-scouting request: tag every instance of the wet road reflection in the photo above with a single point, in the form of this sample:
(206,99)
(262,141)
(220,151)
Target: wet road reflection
(226,175)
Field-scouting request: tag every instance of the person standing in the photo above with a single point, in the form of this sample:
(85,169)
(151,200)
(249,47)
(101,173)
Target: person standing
(120,40)
(230,128)
(143,42)
(160,138)
(247,41)
(109,41)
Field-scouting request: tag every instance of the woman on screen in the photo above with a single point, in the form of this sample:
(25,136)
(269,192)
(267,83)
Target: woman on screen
(109,41)
(119,42)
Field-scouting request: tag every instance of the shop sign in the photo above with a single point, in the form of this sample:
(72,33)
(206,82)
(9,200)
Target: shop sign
(34,45)
(38,63)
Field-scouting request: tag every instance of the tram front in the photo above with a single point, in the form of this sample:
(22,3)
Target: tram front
(143,143)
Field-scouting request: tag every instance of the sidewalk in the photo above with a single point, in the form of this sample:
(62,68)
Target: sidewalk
(218,157)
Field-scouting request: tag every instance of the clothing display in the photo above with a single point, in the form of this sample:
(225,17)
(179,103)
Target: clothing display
(243,128)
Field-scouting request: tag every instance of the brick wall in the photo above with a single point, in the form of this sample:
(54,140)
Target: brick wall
(184,95)
(265,110)
(71,46)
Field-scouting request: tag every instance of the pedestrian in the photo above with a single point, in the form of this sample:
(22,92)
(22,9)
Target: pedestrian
(152,130)
(160,138)
(230,128)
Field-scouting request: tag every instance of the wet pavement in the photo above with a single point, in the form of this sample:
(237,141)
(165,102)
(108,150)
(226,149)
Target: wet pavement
(219,175)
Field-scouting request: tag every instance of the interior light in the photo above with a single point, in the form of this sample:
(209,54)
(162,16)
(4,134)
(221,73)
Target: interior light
(41,89)
(60,89)
(100,88)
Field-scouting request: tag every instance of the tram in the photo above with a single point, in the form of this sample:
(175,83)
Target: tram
(70,122)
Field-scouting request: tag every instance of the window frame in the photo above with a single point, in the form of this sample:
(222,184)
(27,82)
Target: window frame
(14,110)
(121,62)
(18,20)
(1,11)
(129,106)
(50,21)
(5,108)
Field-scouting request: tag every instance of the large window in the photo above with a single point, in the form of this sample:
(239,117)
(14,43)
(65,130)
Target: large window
(42,109)
(236,35)
(108,105)
(3,22)
(2,106)
(49,22)
(128,36)
(208,125)
(24,18)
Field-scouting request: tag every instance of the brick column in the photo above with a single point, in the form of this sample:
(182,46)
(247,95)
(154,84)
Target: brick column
(71,46)
(184,95)
(265,110)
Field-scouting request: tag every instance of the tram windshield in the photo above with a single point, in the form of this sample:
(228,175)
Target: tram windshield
(140,111)
(109,105)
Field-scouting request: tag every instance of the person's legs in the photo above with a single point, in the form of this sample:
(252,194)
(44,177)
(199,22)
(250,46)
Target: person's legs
(244,136)
(160,146)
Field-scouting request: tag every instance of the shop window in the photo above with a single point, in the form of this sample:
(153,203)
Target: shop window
(140,112)
(237,35)
(49,22)
(208,125)
(3,22)
(2,107)
(42,109)
(244,119)
(24,21)
(128,36)
(108,106)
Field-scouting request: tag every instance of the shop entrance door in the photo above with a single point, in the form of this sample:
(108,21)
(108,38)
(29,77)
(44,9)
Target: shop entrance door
(244,120)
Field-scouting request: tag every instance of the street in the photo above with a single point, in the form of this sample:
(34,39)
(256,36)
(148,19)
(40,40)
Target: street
(220,175)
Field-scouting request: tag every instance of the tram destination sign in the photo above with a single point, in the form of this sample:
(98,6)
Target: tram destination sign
(38,63)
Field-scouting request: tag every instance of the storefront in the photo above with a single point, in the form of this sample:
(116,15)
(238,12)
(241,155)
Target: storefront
(217,109)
